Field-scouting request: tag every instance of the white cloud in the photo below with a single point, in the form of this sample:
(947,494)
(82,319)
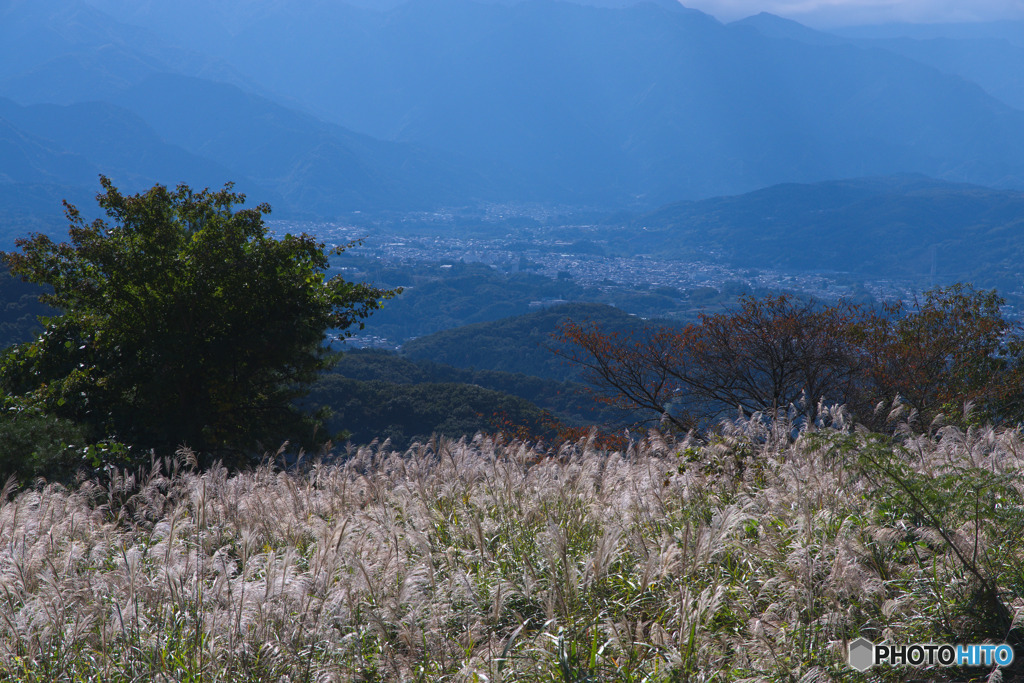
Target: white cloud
(839,12)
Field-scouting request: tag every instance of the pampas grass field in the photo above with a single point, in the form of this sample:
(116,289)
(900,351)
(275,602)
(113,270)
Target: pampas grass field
(755,554)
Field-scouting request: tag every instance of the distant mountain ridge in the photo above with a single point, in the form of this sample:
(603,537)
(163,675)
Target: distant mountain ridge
(325,108)
(302,166)
(103,137)
(989,54)
(82,94)
(66,51)
(640,104)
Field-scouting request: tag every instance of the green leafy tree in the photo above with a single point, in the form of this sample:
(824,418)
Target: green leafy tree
(182,322)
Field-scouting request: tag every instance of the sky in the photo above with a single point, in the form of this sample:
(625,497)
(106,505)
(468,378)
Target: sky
(829,13)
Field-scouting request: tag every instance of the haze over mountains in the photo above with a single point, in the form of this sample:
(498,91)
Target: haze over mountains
(324,108)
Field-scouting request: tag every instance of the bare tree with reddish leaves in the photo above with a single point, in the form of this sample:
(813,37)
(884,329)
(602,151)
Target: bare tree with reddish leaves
(777,352)
(765,355)
(640,370)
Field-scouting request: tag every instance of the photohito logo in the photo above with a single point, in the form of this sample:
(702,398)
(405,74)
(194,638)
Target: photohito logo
(864,654)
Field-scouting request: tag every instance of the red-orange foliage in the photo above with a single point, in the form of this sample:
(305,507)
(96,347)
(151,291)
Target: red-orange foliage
(767,354)
(775,352)
(947,349)
(631,370)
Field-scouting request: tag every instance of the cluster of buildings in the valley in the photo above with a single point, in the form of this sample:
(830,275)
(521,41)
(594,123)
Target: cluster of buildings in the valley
(522,251)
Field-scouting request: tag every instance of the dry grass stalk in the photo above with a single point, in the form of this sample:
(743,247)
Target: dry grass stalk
(752,557)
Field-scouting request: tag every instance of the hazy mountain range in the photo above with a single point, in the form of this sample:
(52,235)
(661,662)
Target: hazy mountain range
(324,108)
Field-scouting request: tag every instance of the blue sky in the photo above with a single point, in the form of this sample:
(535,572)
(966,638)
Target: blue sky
(825,13)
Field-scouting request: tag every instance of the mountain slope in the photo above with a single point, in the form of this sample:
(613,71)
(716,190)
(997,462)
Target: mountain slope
(65,51)
(990,55)
(640,104)
(49,153)
(68,53)
(519,344)
(900,227)
(300,165)
(115,142)
(319,168)
(630,105)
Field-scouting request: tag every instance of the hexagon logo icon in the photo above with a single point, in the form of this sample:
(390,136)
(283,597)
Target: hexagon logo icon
(862,654)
